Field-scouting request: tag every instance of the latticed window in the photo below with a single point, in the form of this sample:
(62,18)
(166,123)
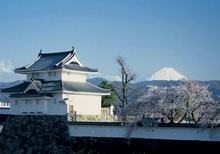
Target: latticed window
(35,75)
(54,74)
(16,102)
(27,101)
(50,74)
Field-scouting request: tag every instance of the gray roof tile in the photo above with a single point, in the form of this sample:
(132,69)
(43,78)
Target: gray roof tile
(52,86)
(47,61)
(83,87)
(37,95)
(16,89)
(76,67)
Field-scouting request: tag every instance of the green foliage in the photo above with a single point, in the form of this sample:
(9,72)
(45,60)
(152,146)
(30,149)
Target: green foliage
(108,100)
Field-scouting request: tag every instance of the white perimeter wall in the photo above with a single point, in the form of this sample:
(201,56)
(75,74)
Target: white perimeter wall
(4,110)
(85,104)
(168,133)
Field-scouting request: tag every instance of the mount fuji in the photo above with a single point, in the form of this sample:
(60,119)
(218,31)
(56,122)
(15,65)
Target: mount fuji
(167,74)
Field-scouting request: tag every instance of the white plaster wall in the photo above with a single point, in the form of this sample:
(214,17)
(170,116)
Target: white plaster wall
(28,76)
(14,109)
(45,106)
(58,107)
(60,75)
(4,110)
(45,76)
(32,106)
(74,77)
(85,104)
(168,133)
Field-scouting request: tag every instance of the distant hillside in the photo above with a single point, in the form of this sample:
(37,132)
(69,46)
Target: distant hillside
(4,97)
(95,81)
(214,85)
(9,84)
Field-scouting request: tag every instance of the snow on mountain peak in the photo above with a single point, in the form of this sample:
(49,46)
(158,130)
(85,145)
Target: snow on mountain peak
(167,74)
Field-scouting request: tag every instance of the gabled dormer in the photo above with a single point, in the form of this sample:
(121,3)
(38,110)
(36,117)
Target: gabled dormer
(57,66)
(33,86)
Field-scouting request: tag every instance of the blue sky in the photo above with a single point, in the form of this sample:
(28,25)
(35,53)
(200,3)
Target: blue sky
(150,34)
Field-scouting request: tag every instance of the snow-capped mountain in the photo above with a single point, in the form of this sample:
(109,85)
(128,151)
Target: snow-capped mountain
(167,74)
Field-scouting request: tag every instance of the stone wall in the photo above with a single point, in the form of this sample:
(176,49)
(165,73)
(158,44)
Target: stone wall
(95,118)
(35,134)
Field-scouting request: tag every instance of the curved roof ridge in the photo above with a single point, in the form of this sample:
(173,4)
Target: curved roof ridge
(46,61)
(52,53)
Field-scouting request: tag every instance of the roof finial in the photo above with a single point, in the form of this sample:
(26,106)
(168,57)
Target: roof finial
(73,49)
(40,52)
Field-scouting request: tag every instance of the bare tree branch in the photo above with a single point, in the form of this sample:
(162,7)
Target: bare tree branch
(126,77)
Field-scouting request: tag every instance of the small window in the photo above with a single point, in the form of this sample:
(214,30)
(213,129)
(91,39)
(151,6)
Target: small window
(54,74)
(37,75)
(54,101)
(16,102)
(37,101)
(68,73)
(24,112)
(50,74)
(33,75)
(27,101)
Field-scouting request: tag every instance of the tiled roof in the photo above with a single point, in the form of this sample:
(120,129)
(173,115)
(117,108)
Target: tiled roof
(16,89)
(54,61)
(35,95)
(52,86)
(76,67)
(46,61)
(82,87)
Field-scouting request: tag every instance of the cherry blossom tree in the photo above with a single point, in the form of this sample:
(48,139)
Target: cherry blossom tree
(188,101)
(158,103)
(197,101)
